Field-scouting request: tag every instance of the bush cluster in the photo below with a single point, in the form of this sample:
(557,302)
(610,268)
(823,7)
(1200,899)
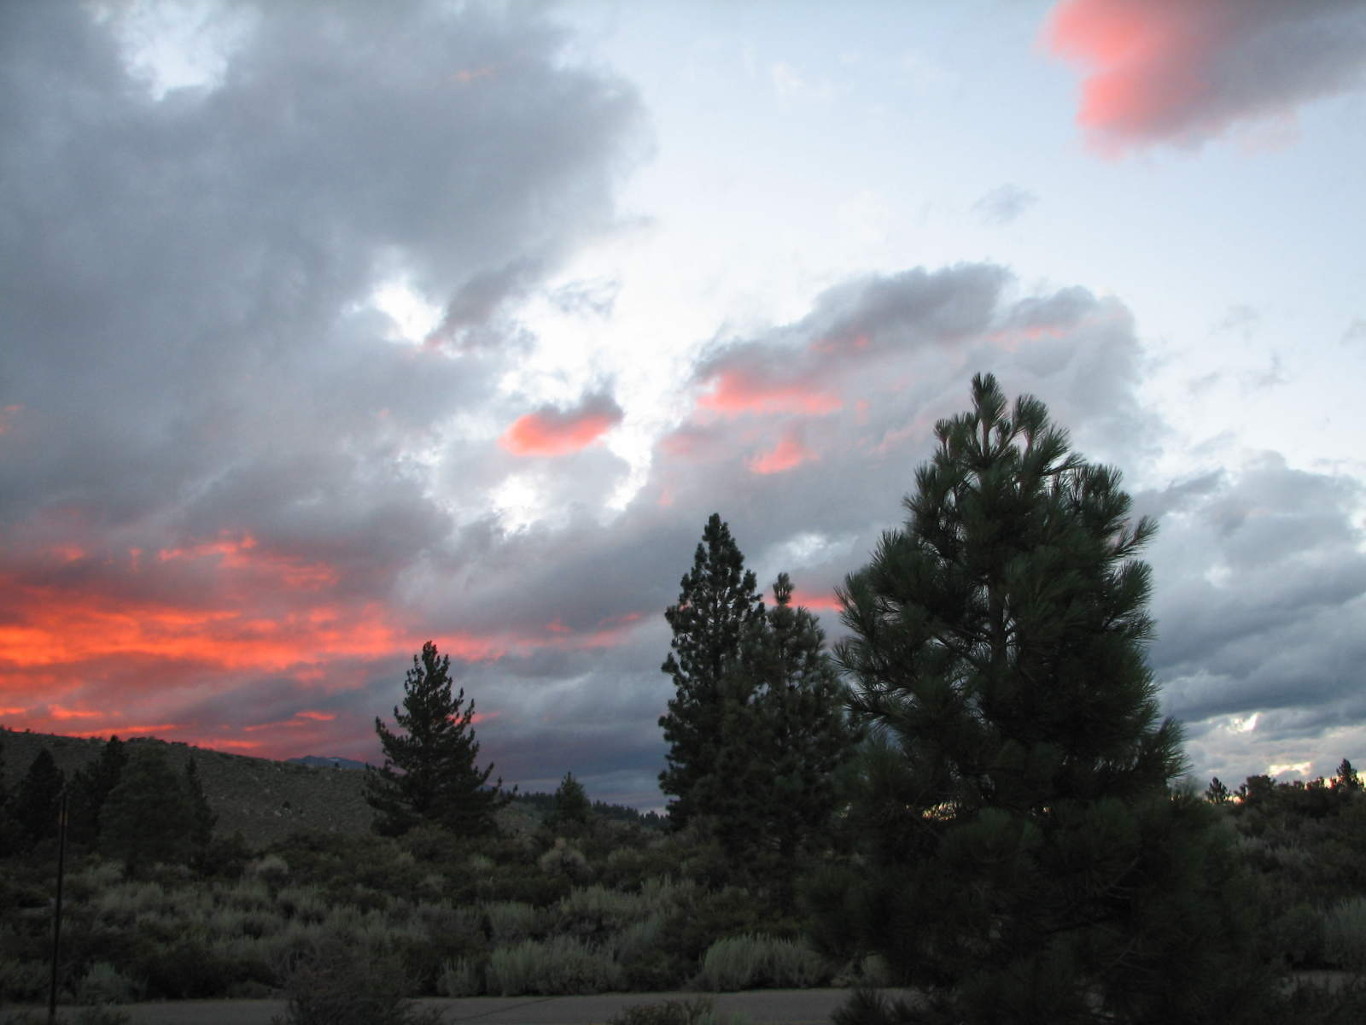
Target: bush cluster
(525,912)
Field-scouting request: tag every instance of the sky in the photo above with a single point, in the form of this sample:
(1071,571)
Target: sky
(330,329)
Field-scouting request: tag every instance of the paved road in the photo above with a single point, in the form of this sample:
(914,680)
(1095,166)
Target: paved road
(762,1007)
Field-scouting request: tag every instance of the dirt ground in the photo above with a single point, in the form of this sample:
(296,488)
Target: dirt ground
(762,1007)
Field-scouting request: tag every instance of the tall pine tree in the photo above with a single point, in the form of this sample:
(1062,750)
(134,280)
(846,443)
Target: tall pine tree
(784,736)
(37,799)
(430,772)
(1024,859)
(717,604)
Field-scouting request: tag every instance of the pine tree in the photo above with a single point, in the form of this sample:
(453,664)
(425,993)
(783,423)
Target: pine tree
(572,807)
(148,818)
(783,740)
(1347,777)
(1024,857)
(202,817)
(1217,792)
(430,772)
(10,838)
(90,788)
(718,602)
(37,799)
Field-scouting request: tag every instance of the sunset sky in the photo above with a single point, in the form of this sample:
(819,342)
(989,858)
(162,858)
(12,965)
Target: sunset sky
(328,329)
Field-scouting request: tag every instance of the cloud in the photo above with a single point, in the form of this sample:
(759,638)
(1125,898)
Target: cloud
(733,392)
(1260,587)
(789,453)
(555,432)
(1181,72)
(226,485)
(236,499)
(1004,204)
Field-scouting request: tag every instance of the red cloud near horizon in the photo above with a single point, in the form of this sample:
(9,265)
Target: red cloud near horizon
(134,645)
(556,432)
(1184,71)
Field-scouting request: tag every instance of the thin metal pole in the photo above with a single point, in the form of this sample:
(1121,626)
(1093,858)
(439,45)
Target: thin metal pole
(57,911)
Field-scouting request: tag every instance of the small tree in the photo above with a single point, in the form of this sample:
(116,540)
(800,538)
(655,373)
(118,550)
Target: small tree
(572,806)
(202,815)
(430,772)
(9,829)
(718,603)
(1024,857)
(1217,792)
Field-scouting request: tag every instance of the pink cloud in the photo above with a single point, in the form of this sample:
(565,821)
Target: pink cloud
(817,601)
(1185,71)
(554,432)
(8,414)
(788,454)
(734,392)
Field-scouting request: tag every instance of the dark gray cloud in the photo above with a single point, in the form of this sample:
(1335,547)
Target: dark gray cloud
(1260,590)
(206,420)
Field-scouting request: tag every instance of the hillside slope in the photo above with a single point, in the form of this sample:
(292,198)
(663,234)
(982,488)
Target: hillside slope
(264,800)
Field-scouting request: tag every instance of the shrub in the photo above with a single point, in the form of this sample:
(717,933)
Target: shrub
(101,1015)
(694,1011)
(663,892)
(1296,935)
(105,984)
(633,942)
(559,966)
(566,860)
(343,981)
(463,977)
(303,903)
(1344,934)
(595,910)
(85,1016)
(510,920)
(23,981)
(272,869)
(755,961)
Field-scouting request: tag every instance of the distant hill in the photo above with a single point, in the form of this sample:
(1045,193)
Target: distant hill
(264,800)
(323,762)
(267,800)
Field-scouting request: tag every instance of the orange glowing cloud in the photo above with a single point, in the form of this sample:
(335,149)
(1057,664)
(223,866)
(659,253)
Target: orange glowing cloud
(553,432)
(59,712)
(242,553)
(52,625)
(1181,71)
(788,454)
(159,729)
(734,392)
(467,75)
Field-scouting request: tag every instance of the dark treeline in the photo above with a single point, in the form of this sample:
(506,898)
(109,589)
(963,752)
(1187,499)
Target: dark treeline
(973,796)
